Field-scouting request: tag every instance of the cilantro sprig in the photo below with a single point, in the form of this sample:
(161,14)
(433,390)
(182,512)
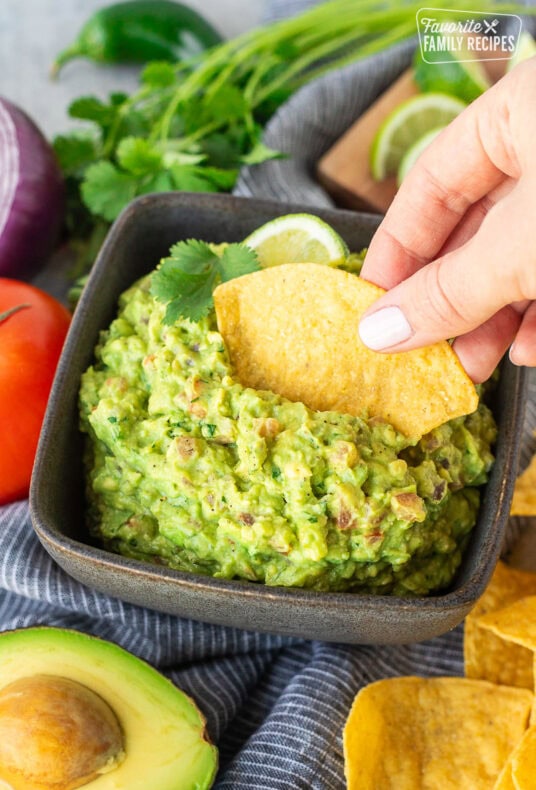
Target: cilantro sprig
(191,125)
(186,279)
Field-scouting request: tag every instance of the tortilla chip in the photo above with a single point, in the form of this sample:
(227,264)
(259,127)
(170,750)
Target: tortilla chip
(524,762)
(488,656)
(292,329)
(519,771)
(505,780)
(449,733)
(524,501)
(514,623)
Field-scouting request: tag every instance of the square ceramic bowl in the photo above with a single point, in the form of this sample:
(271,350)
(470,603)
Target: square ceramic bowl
(137,241)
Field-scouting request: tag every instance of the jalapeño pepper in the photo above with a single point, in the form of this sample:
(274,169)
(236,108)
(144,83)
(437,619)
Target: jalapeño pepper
(137,31)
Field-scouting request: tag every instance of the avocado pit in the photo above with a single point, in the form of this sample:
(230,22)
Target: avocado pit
(56,734)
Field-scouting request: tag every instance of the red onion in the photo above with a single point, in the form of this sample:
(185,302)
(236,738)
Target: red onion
(31,194)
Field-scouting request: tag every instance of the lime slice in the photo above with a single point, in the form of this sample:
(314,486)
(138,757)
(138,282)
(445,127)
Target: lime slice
(297,238)
(407,123)
(526,48)
(461,75)
(413,153)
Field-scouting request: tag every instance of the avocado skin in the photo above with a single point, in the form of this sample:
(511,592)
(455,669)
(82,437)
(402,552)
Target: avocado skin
(164,732)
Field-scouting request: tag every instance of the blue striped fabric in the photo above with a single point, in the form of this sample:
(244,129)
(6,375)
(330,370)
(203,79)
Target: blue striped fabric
(274,705)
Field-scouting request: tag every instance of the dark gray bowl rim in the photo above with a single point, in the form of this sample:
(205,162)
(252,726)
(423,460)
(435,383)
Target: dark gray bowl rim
(50,535)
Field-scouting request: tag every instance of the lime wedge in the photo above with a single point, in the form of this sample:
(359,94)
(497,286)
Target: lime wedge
(407,123)
(526,48)
(297,238)
(413,153)
(461,75)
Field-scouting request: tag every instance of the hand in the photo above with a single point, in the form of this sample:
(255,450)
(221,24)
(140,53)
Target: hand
(457,248)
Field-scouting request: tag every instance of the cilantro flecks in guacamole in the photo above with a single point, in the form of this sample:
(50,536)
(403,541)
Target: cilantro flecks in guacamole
(189,469)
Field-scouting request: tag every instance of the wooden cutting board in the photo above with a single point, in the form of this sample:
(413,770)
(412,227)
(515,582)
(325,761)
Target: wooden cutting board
(344,170)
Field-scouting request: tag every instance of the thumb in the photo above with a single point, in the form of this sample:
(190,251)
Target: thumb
(464,288)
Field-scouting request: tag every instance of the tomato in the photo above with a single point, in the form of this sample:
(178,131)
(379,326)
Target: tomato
(33,326)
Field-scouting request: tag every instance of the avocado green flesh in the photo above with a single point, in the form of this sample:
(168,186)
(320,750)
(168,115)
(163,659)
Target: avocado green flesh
(185,468)
(164,732)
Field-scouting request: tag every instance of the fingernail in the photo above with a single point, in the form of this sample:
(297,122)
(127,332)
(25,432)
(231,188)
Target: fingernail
(384,328)
(512,354)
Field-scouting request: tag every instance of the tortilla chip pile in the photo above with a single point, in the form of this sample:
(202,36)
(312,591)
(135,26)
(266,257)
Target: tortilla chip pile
(524,501)
(476,732)
(292,329)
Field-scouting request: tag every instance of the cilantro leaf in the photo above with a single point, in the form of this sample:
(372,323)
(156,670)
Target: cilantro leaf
(75,151)
(191,293)
(117,98)
(193,305)
(185,281)
(200,178)
(171,157)
(189,178)
(261,153)
(223,178)
(106,190)
(222,150)
(89,108)
(236,260)
(227,103)
(158,74)
(160,182)
(138,156)
(193,256)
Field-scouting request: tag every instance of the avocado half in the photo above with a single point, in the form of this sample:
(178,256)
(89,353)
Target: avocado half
(77,711)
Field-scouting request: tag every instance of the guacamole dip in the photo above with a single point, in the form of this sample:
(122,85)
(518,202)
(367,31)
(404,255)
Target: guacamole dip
(187,468)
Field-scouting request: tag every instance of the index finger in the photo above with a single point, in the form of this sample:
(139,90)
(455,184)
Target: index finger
(465,162)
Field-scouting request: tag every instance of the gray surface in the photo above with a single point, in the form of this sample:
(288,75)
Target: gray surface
(32,32)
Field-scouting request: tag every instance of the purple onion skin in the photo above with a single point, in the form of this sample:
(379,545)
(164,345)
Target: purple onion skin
(35,207)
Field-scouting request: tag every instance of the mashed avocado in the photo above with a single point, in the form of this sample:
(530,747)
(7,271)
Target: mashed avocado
(189,469)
